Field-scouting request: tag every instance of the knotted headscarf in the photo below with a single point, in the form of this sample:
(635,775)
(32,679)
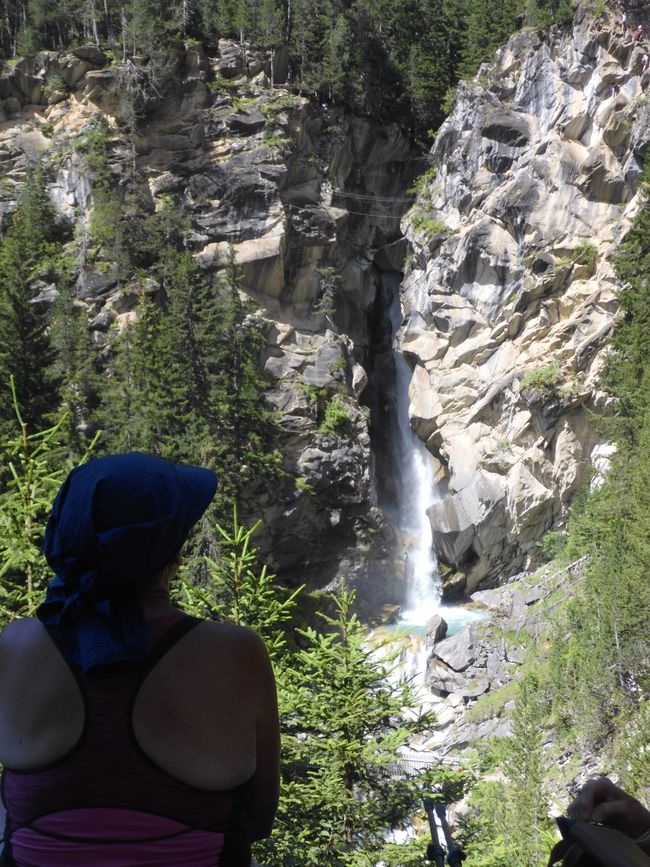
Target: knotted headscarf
(116,522)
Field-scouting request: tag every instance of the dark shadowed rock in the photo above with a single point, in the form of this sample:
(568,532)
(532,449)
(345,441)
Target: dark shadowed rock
(247,122)
(91,54)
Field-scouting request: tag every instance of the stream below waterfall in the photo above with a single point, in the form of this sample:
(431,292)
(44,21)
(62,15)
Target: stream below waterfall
(417,489)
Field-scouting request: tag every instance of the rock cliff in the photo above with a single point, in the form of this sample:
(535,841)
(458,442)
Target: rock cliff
(507,287)
(310,198)
(511,294)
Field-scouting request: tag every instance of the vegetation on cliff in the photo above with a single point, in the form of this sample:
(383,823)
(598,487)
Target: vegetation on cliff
(181,378)
(394,59)
(585,692)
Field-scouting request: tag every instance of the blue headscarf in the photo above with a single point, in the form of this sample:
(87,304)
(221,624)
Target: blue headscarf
(116,522)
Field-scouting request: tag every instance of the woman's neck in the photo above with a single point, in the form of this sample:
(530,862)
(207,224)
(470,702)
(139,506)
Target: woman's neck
(156,602)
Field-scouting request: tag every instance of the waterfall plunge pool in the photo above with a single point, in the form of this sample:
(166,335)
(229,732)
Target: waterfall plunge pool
(414,622)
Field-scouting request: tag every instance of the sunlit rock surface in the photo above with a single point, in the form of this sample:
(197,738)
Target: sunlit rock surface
(309,198)
(511,293)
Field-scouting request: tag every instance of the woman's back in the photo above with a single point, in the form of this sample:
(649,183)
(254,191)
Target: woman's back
(186,735)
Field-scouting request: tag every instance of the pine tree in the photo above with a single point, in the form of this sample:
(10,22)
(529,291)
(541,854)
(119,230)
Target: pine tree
(244,427)
(343,723)
(627,370)
(128,412)
(74,367)
(239,590)
(487,26)
(527,828)
(26,252)
(34,467)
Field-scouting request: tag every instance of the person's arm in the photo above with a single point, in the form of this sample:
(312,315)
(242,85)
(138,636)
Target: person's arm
(265,785)
(605,803)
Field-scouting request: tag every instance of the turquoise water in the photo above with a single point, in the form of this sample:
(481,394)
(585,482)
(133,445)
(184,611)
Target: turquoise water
(456,617)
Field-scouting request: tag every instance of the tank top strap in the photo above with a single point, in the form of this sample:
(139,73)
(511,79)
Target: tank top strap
(171,636)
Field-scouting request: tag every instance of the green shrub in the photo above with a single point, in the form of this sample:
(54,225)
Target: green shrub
(421,222)
(542,379)
(420,184)
(553,544)
(585,253)
(336,417)
(52,85)
(599,8)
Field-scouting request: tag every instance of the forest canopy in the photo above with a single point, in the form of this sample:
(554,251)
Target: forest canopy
(387,58)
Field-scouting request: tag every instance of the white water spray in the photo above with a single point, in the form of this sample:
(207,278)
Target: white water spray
(417,491)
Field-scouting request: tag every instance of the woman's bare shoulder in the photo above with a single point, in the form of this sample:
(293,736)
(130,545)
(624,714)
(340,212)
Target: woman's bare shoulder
(21,634)
(230,636)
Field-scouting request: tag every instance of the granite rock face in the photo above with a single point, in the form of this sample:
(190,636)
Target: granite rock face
(309,198)
(511,294)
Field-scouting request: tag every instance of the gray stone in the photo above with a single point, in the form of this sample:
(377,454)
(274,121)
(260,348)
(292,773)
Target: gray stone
(498,600)
(247,122)
(72,70)
(91,54)
(518,609)
(231,60)
(534,595)
(442,680)
(476,688)
(459,651)
(436,629)
(92,285)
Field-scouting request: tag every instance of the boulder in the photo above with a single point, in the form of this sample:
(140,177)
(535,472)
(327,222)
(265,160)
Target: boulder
(441,679)
(436,629)
(459,651)
(91,54)
(231,59)
(603,179)
(498,600)
(247,122)
(72,69)
(472,520)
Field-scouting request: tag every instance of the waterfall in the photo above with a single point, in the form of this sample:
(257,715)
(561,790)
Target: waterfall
(416,492)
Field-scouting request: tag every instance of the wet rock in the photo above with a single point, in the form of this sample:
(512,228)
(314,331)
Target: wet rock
(436,629)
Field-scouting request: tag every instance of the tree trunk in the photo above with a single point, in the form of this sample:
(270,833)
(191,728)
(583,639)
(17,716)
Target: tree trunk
(108,26)
(16,19)
(93,21)
(123,23)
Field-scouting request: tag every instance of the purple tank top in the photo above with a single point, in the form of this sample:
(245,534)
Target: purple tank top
(80,802)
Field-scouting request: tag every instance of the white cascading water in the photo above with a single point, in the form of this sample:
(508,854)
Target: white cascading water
(416,492)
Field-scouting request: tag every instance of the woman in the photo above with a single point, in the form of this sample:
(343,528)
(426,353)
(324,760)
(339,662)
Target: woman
(131,734)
